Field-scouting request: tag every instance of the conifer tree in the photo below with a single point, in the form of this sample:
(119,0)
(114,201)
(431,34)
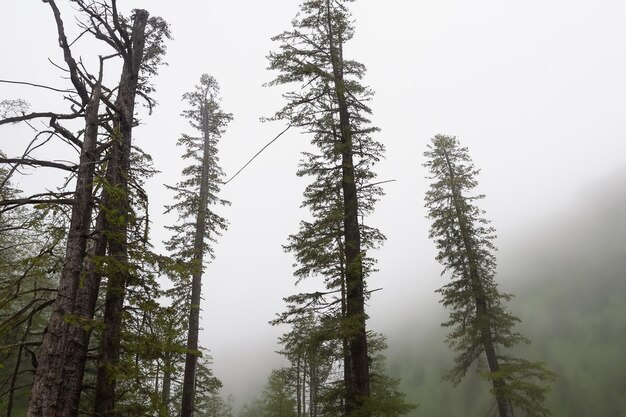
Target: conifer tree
(479,319)
(196,194)
(278,395)
(329,102)
(315,373)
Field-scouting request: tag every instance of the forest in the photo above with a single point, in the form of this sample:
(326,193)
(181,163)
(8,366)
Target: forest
(211,213)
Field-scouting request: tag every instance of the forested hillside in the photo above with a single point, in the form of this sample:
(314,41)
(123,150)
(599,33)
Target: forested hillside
(570,292)
(331,248)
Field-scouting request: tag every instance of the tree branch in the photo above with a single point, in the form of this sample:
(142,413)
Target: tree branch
(67,54)
(31,116)
(37,162)
(36,85)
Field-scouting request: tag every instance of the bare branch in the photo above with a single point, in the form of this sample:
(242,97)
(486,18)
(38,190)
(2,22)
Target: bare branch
(36,199)
(32,116)
(36,162)
(58,66)
(65,133)
(67,54)
(36,85)
(375,184)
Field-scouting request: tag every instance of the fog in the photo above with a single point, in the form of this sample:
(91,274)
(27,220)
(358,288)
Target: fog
(535,89)
(567,274)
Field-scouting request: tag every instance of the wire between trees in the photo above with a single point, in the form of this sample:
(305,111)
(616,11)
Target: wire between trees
(258,153)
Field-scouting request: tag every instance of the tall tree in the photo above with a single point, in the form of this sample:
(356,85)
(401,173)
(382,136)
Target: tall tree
(116,206)
(58,380)
(57,384)
(330,104)
(195,196)
(480,321)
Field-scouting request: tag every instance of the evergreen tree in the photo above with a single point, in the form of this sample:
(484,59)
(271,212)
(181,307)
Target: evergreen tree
(479,319)
(330,104)
(31,255)
(196,194)
(315,375)
(387,400)
(278,396)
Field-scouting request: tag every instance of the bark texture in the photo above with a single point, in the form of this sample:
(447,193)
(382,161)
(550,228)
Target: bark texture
(117,214)
(191,358)
(358,384)
(57,382)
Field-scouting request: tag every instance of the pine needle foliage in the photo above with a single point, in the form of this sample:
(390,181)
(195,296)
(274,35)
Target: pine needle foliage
(198,224)
(204,113)
(329,102)
(480,322)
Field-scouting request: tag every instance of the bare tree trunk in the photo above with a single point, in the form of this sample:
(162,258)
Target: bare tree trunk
(359,383)
(191,359)
(298,391)
(16,370)
(118,209)
(347,375)
(498,383)
(304,385)
(57,383)
(167,381)
(117,277)
(312,392)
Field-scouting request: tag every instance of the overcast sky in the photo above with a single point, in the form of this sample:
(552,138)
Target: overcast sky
(536,89)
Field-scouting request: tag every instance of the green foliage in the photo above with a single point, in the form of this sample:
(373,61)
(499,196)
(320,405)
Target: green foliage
(278,396)
(387,399)
(316,372)
(479,319)
(157,32)
(216,406)
(207,118)
(252,409)
(304,60)
(31,254)
(582,341)
(310,60)
(526,385)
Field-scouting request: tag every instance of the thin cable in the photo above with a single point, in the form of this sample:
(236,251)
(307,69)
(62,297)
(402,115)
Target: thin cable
(257,154)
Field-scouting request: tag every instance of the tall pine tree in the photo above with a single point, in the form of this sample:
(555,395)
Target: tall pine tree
(195,195)
(480,321)
(330,103)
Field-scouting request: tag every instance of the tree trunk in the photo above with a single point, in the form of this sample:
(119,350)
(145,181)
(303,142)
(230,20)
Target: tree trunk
(191,359)
(298,391)
(347,375)
(359,385)
(304,385)
(118,213)
(479,296)
(167,381)
(312,382)
(61,363)
(16,369)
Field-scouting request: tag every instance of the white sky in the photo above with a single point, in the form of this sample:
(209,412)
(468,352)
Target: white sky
(536,89)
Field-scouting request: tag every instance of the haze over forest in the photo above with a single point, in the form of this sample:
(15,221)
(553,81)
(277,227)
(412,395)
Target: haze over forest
(536,93)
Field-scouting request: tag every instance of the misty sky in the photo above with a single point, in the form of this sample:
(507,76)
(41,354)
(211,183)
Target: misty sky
(535,89)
